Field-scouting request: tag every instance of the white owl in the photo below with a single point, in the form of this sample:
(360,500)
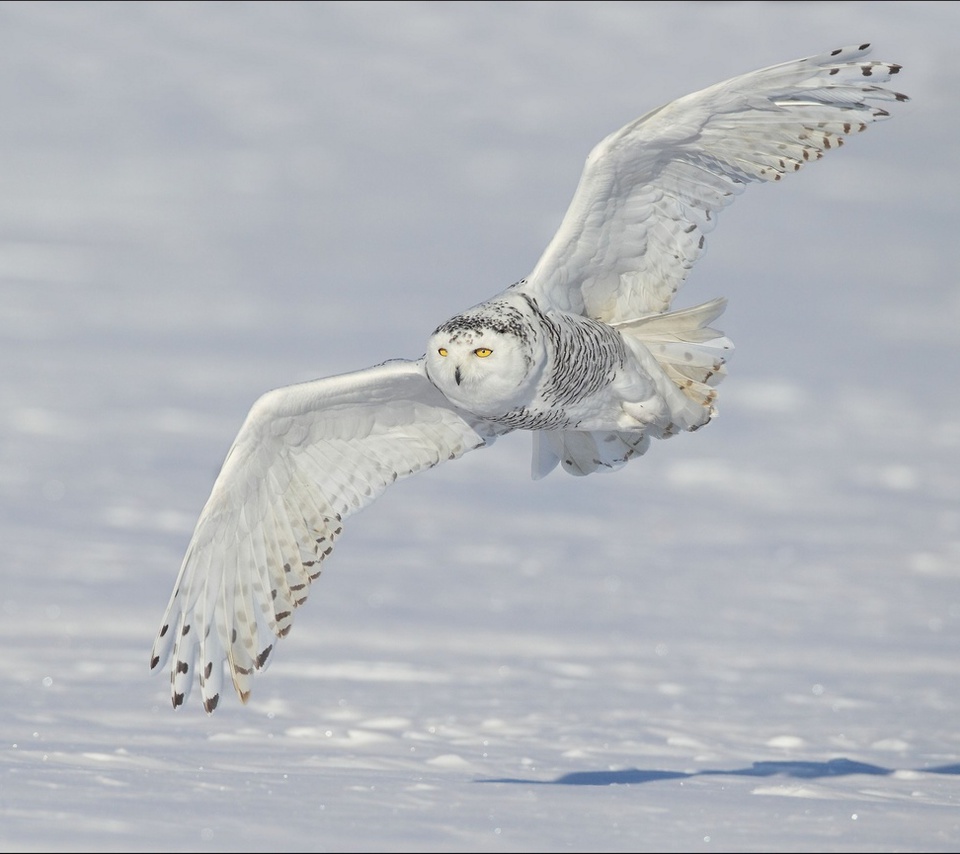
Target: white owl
(583,352)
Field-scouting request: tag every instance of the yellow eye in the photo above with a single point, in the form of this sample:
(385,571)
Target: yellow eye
(482,352)
(442,351)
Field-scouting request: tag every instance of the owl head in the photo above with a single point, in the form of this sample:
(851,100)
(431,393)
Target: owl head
(486,360)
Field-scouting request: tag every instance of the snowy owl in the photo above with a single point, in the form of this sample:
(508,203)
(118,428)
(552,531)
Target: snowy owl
(585,352)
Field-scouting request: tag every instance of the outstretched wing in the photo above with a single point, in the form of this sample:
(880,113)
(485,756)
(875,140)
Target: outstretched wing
(650,192)
(306,457)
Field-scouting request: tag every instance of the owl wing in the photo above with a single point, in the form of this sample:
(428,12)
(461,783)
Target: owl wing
(650,192)
(306,457)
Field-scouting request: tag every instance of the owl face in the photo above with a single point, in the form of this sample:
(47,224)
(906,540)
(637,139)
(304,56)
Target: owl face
(481,365)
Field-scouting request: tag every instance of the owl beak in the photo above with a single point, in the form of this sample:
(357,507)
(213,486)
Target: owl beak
(456,375)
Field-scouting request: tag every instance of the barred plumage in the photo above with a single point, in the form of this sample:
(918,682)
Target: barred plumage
(585,352)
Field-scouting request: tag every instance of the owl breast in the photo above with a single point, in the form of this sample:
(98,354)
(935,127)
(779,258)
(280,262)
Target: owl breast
(580,387)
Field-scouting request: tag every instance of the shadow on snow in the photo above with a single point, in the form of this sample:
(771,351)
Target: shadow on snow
(802,770)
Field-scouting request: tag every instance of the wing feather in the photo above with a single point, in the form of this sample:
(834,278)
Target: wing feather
(306,457)
(650,192)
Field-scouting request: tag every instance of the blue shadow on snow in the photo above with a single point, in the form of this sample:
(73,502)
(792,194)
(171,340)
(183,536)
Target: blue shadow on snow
(803,770)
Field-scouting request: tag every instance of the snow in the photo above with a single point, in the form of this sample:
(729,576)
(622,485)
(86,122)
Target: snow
(745,641)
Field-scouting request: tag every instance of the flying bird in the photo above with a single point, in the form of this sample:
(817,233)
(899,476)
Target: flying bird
(585,352)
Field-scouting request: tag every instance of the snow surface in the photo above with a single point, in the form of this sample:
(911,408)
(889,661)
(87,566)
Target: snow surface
(749,640)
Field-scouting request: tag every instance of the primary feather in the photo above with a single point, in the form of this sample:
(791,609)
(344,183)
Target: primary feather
(584,352)
(651,191)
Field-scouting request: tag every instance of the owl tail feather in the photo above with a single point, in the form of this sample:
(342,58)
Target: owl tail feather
(686,360)
(691,355)
(582,452)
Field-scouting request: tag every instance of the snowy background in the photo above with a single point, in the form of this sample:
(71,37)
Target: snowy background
(749,640)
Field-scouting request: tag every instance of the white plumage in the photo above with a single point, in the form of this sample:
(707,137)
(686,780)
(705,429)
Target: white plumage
(584,352)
